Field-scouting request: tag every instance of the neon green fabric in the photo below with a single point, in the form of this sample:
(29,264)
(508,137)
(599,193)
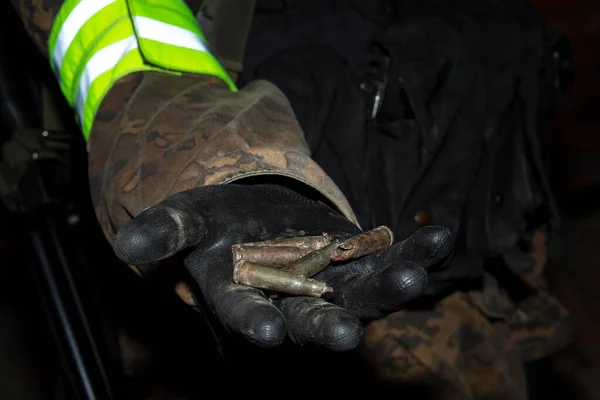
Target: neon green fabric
(93,43)
(172,12)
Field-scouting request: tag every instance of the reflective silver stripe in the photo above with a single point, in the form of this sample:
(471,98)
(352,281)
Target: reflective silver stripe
(82,12)
(148,28)
(104,60)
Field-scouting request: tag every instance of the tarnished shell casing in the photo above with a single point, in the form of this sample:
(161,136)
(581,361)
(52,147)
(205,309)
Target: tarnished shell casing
(264,277)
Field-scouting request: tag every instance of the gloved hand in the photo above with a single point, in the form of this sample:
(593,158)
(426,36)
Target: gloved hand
(209,220)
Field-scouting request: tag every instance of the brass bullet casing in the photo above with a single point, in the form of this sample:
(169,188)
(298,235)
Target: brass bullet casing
(263,277)
(303,242)
(272,256)
(278,252)
(312,263)
(365,243)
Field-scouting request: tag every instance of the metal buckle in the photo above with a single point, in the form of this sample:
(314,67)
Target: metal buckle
(373,83)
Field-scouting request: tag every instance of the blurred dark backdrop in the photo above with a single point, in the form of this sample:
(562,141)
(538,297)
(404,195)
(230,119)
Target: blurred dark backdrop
(575,271)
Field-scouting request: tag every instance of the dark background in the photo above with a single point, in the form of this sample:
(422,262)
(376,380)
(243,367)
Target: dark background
(575,271)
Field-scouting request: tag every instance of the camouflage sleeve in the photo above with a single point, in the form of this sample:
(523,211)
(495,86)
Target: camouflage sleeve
(38,16)
(157,134)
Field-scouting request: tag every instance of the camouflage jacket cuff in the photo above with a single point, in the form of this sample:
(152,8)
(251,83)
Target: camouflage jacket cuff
(158,134)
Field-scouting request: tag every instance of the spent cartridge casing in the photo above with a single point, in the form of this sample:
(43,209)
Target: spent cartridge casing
(365,243)
(268,255)
(303,242)
(264,277)
(312,263)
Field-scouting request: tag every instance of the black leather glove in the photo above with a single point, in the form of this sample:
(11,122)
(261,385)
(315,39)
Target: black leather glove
(211,219)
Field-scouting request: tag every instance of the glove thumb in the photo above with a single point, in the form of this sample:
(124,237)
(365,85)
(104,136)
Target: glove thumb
(159,232)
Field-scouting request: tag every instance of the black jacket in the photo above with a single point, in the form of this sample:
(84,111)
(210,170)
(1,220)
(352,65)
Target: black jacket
(456,140)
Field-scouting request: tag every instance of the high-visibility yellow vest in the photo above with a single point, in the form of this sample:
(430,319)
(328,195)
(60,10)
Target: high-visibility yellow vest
(93,43)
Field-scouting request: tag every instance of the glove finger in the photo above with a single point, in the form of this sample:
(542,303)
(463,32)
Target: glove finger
(379,293)
(427,247)
(159,232)
(316,322)
(246,311)
(241,309)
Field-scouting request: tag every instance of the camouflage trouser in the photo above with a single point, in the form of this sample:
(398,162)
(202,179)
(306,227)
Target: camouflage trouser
(456,350)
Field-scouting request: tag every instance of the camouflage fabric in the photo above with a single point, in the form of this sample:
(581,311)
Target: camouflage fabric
(457,350)
(37,17)
(157,134)
(143,135)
